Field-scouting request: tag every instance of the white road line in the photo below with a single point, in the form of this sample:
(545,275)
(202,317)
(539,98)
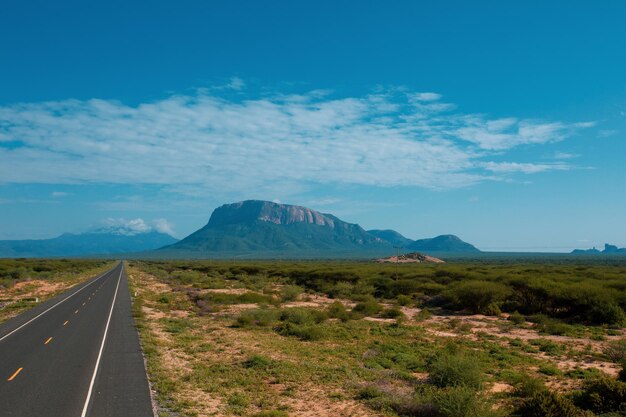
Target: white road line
(104,338)
(41,314)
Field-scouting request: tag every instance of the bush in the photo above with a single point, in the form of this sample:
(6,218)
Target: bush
(477,296)
(423,315)
(456,369)
(544,403)
(460,402)
(302,332)
(338,311)
(492,310)
(527,387)
(554,327)
(260,317)
(603,395)
(392,313)
(368,307)
(257,362)
(616,351)
(302,315)
(368,392)
(517,318)
(404,300)
(290,293)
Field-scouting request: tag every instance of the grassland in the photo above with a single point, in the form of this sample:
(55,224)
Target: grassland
(24,282)
(360,339)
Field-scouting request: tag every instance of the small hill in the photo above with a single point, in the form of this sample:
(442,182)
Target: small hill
(413,257)
(443,243)
(391,236)
(266,229)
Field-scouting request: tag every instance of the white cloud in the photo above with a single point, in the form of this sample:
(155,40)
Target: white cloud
(525,168)
(121,226)
(565,155)
(163,226)
(209,143)
(426,96)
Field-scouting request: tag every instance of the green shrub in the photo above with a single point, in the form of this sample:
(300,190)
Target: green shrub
(423,315)
(368,392)
(302,332)
(554,327)
(477,296)
(290,293)
(517,318)
(338,311)
(460,401)
(392,313)
(545,403)
(257,362)
(492,310)
(548,346)
(302,315)
(616,351)
(404,300)
(456,369)
(368,307)
(527,387)
(258,317)
(549,369)
(603,395)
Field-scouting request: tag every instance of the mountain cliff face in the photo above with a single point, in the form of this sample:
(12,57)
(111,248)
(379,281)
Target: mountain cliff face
(443,243)
(264,226)
(85,244)
(266,211)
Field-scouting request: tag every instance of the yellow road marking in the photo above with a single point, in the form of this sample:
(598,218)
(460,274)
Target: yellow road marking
(66,321)
(47,341)
(15,374)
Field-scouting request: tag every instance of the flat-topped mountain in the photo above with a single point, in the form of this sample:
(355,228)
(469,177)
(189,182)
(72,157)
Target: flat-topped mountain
(267,211)
(263,226)
(266,229)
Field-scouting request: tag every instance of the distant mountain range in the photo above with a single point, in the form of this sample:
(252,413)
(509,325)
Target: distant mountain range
(266,229)
(102,242)
(252,228)
(608,250)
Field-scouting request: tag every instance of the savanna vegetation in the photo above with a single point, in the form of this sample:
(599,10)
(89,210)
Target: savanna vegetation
(360,339)
(24,282)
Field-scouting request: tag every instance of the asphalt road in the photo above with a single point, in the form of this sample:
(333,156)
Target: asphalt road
(75,355)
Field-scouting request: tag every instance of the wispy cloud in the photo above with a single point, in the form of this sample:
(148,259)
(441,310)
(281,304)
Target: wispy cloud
(211,143)
(121,226)
(525,168)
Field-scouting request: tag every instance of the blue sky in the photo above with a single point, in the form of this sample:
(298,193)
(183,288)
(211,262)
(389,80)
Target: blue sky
(501,123)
